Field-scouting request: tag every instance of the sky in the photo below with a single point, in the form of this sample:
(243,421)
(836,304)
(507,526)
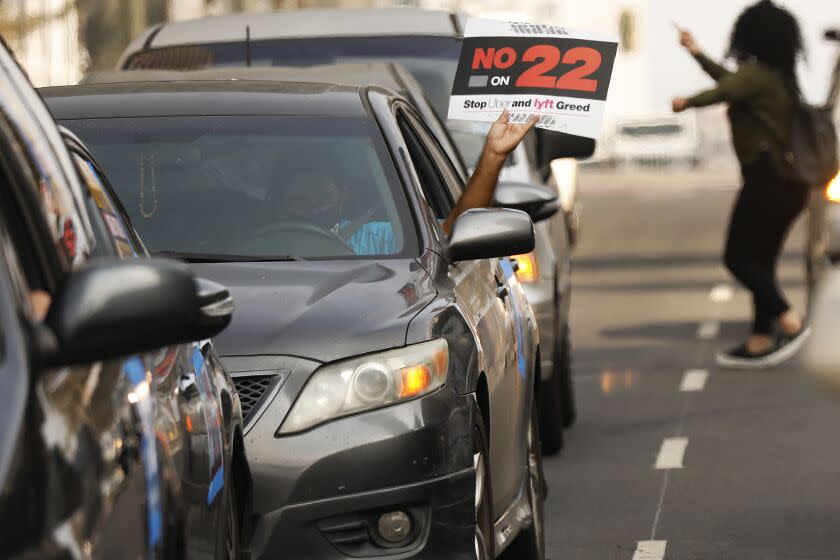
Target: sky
(673,73)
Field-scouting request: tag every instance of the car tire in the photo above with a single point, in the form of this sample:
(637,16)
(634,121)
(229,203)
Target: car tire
(530,543)
(550,405)
(563,371)
(484,537)
(554,396)
(231,541)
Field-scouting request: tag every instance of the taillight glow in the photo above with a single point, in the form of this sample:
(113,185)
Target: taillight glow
(832,191)
(526,268)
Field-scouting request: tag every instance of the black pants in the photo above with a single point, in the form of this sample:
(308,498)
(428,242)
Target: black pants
(766,208)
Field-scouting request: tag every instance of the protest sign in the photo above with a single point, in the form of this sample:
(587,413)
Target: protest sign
(530,69)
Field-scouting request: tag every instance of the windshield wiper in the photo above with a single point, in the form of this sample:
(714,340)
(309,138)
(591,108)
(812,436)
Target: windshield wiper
(223,257)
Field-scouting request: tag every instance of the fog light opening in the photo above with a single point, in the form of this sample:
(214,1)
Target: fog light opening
(394,526)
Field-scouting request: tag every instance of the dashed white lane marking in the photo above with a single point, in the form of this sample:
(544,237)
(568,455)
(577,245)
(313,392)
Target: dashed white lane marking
(721,293)
(708,330)
(650,550)
(671,453)
(694,380)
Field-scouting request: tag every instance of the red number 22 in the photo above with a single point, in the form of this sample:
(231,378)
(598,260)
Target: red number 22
(549,56)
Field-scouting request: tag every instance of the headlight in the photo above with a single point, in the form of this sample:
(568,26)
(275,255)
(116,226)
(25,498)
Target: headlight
(368,382)
(832,191)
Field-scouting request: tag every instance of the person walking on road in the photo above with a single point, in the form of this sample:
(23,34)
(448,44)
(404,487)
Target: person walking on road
(762,95)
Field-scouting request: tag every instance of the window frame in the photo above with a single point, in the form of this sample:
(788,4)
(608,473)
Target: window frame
(97,219)
(25,206)
(443,198)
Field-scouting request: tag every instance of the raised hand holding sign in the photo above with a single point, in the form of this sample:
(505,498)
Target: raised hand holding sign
(530,69)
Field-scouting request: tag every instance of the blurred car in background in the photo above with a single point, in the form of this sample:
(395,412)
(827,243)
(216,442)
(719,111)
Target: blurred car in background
(427,43)
(197,407)
(391,407)
(822,249)
(665,141)
(822,353)
(89,457)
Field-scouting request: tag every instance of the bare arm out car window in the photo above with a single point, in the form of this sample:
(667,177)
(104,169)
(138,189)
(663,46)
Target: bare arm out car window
(254,187)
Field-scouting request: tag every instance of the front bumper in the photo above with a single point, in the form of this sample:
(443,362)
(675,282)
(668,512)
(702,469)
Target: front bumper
(319,493)
(338,527)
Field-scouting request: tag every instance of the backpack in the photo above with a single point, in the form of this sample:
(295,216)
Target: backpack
(812,147)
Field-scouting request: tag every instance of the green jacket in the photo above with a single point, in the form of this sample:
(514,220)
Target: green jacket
(761,102)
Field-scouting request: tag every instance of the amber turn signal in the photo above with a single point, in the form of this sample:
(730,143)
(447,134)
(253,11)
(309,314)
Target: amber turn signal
(832,191)
(526,268)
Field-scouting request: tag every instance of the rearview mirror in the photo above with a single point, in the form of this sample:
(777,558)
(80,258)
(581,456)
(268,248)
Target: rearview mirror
(483,233)
(822,353)
(555,145)
(540,202)
(109,309)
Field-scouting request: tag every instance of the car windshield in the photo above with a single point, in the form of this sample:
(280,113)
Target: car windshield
(240,188)
(431,60)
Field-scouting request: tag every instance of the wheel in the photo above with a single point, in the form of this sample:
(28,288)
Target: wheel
(231,545)
(563,371)
(484,544)
(551,400)
(550,405)
(530,543)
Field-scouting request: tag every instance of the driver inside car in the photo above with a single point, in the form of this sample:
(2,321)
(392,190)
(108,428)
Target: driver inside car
(316,198)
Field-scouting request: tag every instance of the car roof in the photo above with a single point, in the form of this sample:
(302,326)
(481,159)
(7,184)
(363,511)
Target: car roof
(165,93)
(305,23)
(356,75)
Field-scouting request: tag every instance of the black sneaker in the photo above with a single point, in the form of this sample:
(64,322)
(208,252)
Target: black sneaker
(784,348)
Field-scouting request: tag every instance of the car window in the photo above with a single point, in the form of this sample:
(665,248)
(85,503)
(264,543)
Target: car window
(38,245)
(432,60)
(447,179)
(9,256)
(431,182)
(56,199)
(112,229)
(21,252)
(255,188)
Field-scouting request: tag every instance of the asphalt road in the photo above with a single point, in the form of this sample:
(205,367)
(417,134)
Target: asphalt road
(751,467)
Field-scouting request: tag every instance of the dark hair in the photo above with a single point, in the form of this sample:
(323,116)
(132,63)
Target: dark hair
(768,33)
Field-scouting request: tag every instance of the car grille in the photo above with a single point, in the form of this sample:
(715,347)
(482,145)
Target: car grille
(251,390)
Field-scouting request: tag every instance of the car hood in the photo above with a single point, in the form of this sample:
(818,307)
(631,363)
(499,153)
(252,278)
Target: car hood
(324,310)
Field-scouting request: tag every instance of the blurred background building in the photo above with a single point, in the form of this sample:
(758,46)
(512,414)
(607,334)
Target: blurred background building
(57,41)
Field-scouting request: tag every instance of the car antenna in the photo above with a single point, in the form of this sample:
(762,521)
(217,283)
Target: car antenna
(248,45)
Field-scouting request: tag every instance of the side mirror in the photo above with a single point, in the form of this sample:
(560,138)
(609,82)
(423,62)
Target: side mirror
(486,233)
(109,309)
(555,145)
(540,202)
(822,353)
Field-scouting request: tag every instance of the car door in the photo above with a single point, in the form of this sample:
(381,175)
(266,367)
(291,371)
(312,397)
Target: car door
(483,289)
(188,416)
(87,479)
